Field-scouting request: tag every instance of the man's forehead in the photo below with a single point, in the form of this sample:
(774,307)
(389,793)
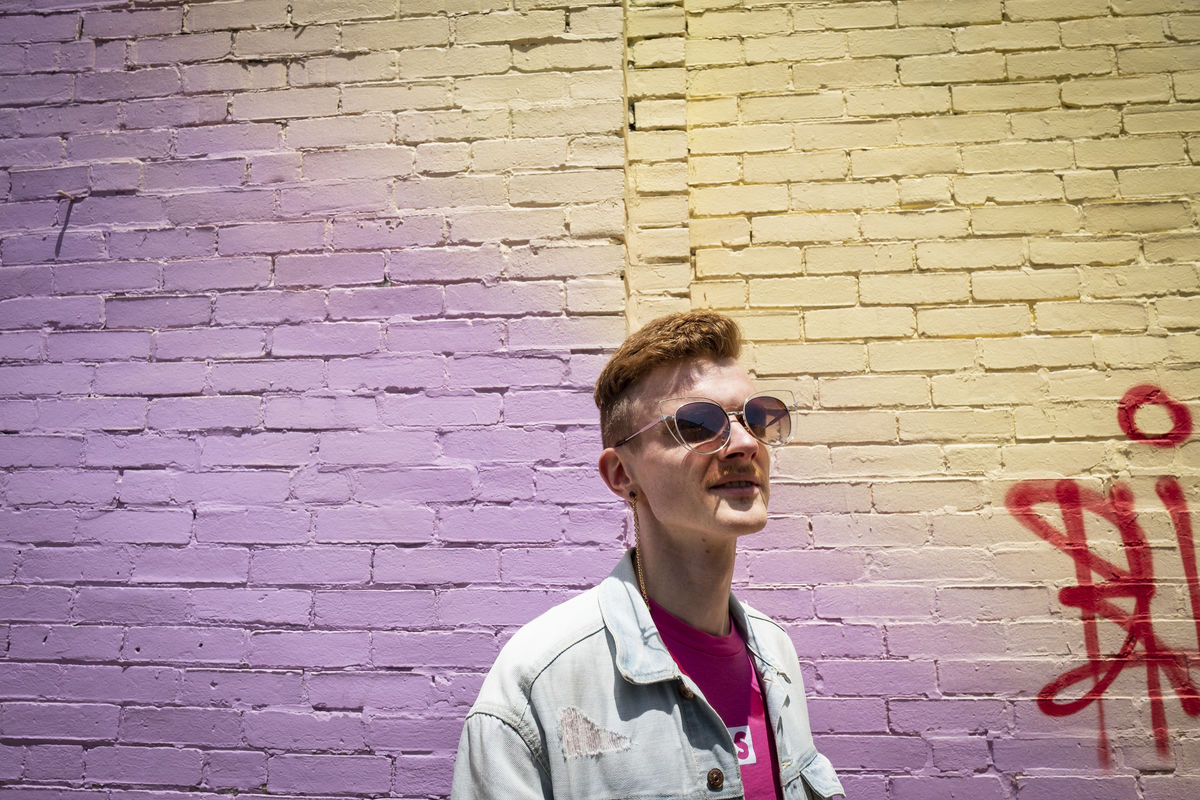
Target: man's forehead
(681,378)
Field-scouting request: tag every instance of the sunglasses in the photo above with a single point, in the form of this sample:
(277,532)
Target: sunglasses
(704,426)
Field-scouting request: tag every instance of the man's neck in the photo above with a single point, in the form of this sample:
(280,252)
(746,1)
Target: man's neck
(692,584)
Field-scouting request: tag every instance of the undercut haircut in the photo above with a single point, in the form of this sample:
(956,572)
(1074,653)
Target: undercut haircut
(666,340)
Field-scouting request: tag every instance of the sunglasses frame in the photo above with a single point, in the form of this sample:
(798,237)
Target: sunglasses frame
(782,395)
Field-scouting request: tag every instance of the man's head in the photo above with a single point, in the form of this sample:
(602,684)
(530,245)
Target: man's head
(666,340)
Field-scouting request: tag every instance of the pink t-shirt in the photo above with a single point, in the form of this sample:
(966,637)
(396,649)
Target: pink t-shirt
(721,667)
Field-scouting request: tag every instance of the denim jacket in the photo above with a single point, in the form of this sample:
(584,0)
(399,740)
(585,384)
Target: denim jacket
(585,703)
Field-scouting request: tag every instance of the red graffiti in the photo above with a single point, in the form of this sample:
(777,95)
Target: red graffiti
(1134,581)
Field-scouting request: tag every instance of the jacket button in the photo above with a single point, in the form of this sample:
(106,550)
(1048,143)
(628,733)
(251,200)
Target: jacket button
(716,779)
(685,692)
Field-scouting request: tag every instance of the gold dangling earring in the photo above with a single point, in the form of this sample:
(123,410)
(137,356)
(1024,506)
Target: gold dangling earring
(637,548)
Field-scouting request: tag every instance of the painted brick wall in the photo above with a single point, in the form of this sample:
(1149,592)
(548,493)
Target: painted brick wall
(300,305)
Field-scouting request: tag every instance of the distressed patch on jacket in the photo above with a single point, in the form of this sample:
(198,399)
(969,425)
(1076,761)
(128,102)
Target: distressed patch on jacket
(581,737)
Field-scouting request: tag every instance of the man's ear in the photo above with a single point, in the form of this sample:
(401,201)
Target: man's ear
(616,476)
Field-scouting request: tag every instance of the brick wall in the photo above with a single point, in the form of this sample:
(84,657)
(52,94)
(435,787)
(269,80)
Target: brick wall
(300,305)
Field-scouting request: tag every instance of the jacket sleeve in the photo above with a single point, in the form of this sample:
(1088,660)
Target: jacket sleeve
(495,762)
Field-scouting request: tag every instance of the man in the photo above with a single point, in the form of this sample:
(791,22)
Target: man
(658,683)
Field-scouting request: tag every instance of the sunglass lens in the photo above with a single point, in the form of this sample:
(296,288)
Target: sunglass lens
(700,422)
(769,419)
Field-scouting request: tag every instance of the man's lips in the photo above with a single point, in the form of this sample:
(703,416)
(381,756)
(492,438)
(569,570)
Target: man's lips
(733,483)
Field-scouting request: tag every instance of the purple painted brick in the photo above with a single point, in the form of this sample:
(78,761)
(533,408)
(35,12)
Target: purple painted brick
(395,732)
(328,269)
(155,766)
(318,413)
(388,373)
(119,24)
(329,774)
(248,606)
(142,379)
(68,642)
(26,450)
(18,414)
(927,787)
(305,729)
(448,263)
(274,307)
(499,443)
(227,138)
(209,274)
(152,684)
(272,525)
(35,603)
(208,687)
(112,145)
(93,414)
(481,606)
(326,338)
(20,345)
(200,343)
(414,484)
(148,450)
(309,648)
(28,184)
(258,449)
(313,564)
(1056,787)
(378,448)
(958,715)
(235,769)
(32,90)
(54,762)
(75,564)
(39,380)
(374,609)
(109,276)
(35,248)
(445,336)
(98,346)
(224,206)
(549,566)
(208,727)
(503,371)
(235,487)
(508,523)
(412,230)
(897,754)
(40,27)
(157,312)
(805,566)
(141,526)
(259,376)
(129,604)
(29,681)
(172,112)
(505,483)
(390,523)
(268,237)
(163,644)
(344,689)
(436,565)
(428,649)
(70,722)
(571,485)
(59,312)
(195,564)
(385,302)
(171,243)
(422,410)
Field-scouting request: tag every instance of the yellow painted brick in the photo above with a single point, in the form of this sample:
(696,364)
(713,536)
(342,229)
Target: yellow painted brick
(1163,119)
(719,111)
(319,101)
(1063,9)
(1081,251)
(1067,421)
(914,289)
(1068,317)
(442,158)
(651,114)
(974,321)
(1130,352)
(897,161)
(599,22)
(792,107)
(565,187)
(656,145)
(843,16)
(925,192)
(855,324)
(659,244)
(711,201)
(1024,156)
(1110,91)
(957,129)
(829,427)
(740,139)
(889,497)
(1133,280)
(920,355)
(1089,184)
(1041,284)
(804,228)
(905,41)
(1053,459)
(1172,247)
(972,459)
(1037,352)
(1138,217)
(737,22)
(796,46)
(739,80)
(342,69)
(971,254)
(605,219)
(1131,151)
(1187,85)
(644,21)
(874,391)
(509,26)
(596,84)
(421,32)
(285,41)
(656,82)
(920,224)
(939,12)
(670,176)
(555,55)
(987,390)
(1070,124)
(843,196)
(712,52)
(565,119)
(807,358)
(844,73)
(644,307)
(797,166)
(1004,96)
(506,90)
(1178,312)
(506,224)
(666,51)
(897,101)
(954,425)
(1017,188)
(952,68)
(656,211)
(571,260)
(595,295)
(1006,36)
(658,277)
(1061,63)
(452,125)
(596,151)
(1103,29)
(859,258)
(887,460)
(837,135)
(804,292)
(1037,218)
(440,62)
(770,326)
(719,231)
(1184,27)
(748,261)
(718,294)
